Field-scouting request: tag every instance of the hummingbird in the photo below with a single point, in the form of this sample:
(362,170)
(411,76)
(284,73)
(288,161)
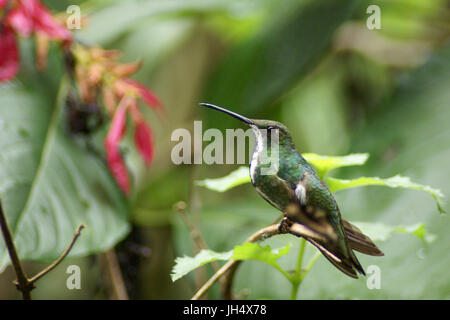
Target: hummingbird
(294,182)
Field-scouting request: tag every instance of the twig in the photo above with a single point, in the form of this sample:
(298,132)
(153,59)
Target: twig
(257,236)
(115,275)
(61,257)
(227,279)
(286,226)
(227,292)
(23,283)
(180,207)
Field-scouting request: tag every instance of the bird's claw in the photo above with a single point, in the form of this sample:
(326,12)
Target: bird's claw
(284,225)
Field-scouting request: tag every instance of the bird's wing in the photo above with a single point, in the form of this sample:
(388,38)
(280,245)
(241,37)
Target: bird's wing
(318,208)
(319,212)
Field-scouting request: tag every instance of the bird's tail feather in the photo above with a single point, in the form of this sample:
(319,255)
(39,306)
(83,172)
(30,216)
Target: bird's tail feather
(342,263)
(359,241)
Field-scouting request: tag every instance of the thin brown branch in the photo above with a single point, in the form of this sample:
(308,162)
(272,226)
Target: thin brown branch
(257,236)
(227,286)
(228,278)
(286,226)
(180,207)
(117,283)
(32,280)
(23,285)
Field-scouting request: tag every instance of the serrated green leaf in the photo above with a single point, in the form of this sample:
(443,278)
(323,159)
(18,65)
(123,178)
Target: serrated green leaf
(393,182)
(382,232)
(247,251)
(49,184)
(323,164)
(186,264)
(254,251)
(234,179)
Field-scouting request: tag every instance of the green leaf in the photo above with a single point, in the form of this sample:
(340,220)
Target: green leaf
(186,264)
(127,15)
(254,251)
(247,251)
(234,179)
(323,164)
(382,232)
(393,182)
(49,184)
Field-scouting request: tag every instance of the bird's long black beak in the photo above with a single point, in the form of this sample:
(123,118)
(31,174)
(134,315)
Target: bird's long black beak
(231,113)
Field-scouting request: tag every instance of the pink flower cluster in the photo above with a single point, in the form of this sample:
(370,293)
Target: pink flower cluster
(97,74)
(25,17)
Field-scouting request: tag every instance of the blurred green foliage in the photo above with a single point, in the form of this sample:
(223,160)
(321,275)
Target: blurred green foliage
(312,65)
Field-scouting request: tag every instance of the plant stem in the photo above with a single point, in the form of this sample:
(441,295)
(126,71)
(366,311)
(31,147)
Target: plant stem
(301,253)
(111,263)
(61,257)
(310,264)
(262,234)
(180,208)
(297,278)
(294,290)
(23,285)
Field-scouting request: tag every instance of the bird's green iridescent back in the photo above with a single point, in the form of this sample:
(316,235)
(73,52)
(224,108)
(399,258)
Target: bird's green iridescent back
(278,189)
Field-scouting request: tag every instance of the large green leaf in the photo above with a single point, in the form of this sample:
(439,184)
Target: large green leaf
(127,15)
(49,184)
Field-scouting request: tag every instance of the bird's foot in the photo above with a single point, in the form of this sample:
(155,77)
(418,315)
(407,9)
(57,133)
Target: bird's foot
(284,225)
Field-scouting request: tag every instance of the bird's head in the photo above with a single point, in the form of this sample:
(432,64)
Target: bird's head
(256,124)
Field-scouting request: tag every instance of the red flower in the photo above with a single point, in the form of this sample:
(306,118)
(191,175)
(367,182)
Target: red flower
(98,72)
(32,16)
(125,85)
(27,17)
(148,96)
(9,54)
(114,158)
(143,140)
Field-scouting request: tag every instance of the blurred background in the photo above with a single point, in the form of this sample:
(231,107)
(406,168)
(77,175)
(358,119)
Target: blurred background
(316,67)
